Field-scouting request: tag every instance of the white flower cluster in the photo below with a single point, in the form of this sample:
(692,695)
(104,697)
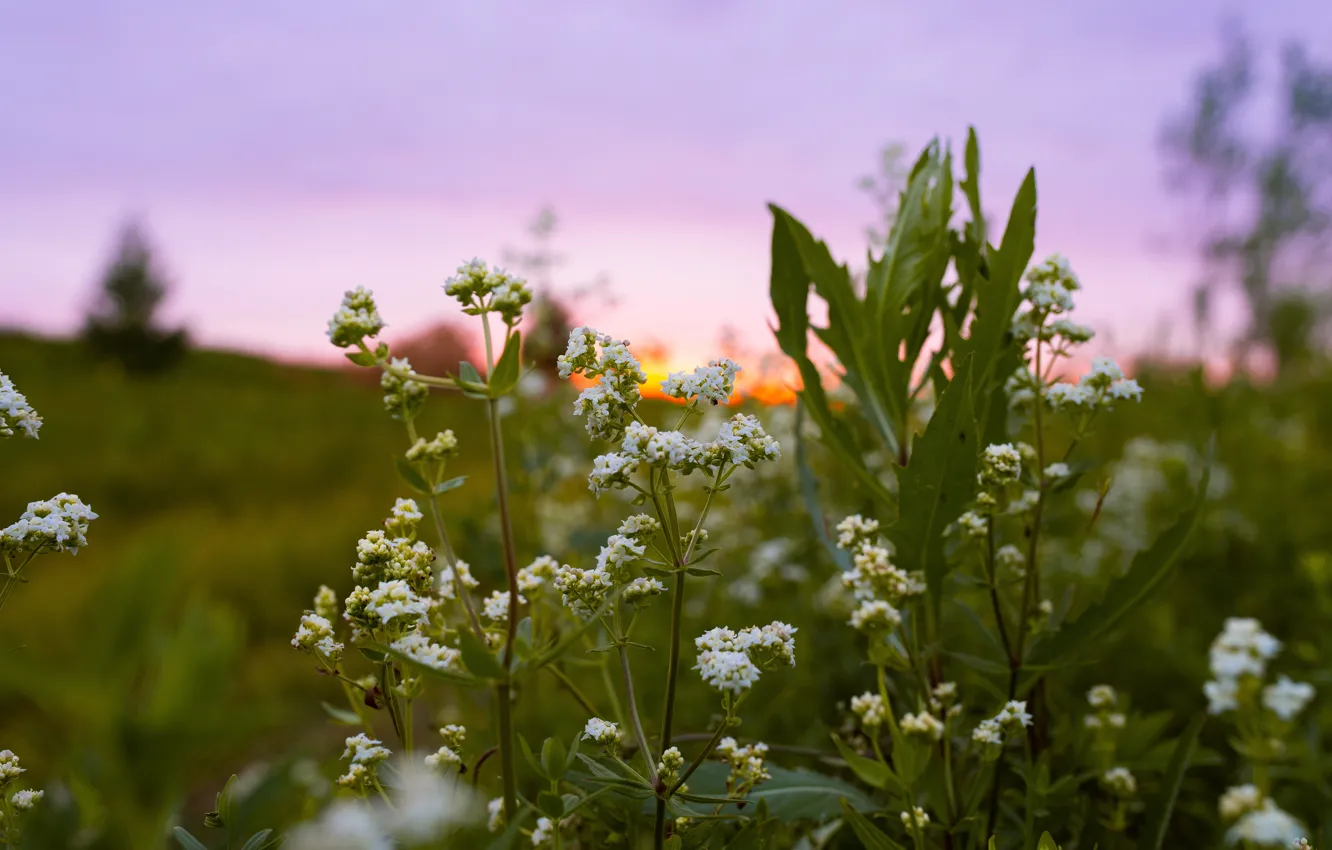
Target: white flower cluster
(496,606)
(600,731)
(1001,464)
(479,290)
(1012,718)
(355,319)
(1105,700)
(25,799)
(1120,782)
(596,355)
(403,395)
(391,605)
(1238,658)
(456,578)
(924,724)
(732,662)
(915,818)
(58,524)
(871,709)
(365,754)
(668,768)
(9,767)
(15,412)
(1099,389)
(532,577)
(380,557)
(427,810)
(418,646)
(877,583)
(1258,820)
(748,766)
(741,441)
(449,755)
(315,636)
(443,446)
(584,591)
(714,382)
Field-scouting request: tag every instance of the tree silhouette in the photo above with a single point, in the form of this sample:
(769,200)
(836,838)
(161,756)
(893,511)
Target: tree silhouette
(121,325)
(1266,204)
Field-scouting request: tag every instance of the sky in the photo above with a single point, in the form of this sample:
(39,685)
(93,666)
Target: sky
(281,152)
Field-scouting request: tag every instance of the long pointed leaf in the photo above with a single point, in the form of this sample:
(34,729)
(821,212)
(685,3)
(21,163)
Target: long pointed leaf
(1149,570)
(1158,818)
(871,837)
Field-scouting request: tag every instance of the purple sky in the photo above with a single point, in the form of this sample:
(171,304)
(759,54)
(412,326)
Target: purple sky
(281,152)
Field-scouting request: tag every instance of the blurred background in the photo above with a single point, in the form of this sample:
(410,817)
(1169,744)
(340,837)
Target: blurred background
(185,192)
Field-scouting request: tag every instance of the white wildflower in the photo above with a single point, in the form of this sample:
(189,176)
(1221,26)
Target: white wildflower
(496,606)
(1120,782)
(15,412)
(601,732)
(1267,826)
(1286,699)
(924,724)
(871,709)
(356,318)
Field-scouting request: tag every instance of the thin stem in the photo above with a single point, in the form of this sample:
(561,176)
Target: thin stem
(574,690)
(503,689)
(633,714)
(700,758)
(994,589)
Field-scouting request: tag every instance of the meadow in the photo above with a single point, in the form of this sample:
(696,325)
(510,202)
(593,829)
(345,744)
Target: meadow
(139,675)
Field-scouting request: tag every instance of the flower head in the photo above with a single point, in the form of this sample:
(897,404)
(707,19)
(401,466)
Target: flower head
(15,412)
(601,732)
(356,318)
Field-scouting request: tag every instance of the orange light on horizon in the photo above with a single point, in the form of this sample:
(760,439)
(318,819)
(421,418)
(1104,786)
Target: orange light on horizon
(763,389)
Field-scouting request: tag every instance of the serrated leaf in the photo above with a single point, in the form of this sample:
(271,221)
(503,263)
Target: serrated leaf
(189,842)
(341,715)
(451,484)
(413,478)
(258,840)
(937,483)
(477,657)
(507,369)
(1163,807)
(1148,571)
(871,837)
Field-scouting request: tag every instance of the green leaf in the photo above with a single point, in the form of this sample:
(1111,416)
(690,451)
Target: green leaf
(504,377)
(809,493)
(792,795)
(701,571)
(551,804)
(477,657)
(413,478)
(554,759)
(184,839)
(226,799)
(469,380)
(1149,570)
(1047,842)
(937,482)
(656,572)
(375,655)
(873,773)
(258,840)
(1159,813)
(531,758)
(871,837)
(362,358)
(451,484)
(341,715)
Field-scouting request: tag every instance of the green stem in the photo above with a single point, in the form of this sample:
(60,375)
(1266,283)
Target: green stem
(574,690)
(503,689)
(634,717)
(994,589)
(699,759)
